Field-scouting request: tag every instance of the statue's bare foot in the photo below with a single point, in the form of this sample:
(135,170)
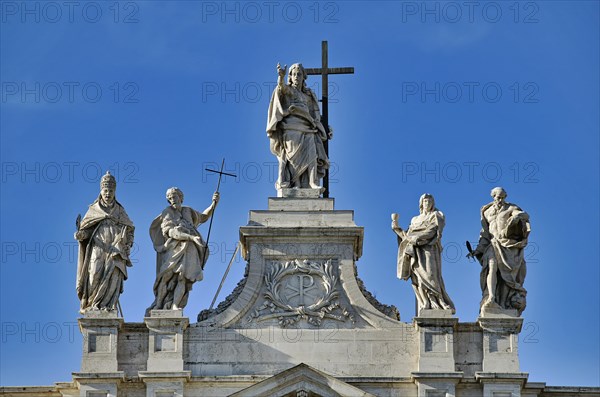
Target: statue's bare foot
(318,187)
(491,304)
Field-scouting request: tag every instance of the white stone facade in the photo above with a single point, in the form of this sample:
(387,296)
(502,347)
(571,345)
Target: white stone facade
(300,324)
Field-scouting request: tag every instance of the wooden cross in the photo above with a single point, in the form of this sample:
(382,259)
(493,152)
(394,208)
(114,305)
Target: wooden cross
(325,71)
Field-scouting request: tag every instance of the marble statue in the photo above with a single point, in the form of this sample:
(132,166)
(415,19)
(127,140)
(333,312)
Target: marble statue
(420,255)
(181,251)
(296,133)
(501,251)
(105,236)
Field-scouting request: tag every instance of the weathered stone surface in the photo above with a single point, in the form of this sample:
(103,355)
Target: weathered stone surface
(436,342)
(301,323)
(181,251)
(420,255)
(165,340)
(500,344)
(296,134)
(105,236)
(100,331)
(504,235)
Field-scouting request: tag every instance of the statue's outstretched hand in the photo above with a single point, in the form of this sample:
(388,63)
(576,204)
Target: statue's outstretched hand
(281,71)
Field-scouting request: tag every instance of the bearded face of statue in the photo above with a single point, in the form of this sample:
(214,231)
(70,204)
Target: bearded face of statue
(175,200)
(498,199)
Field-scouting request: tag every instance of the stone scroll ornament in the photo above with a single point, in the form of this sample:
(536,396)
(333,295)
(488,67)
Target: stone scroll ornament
(301,290)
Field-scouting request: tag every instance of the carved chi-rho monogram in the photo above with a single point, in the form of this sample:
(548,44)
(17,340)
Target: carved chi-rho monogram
(301,289)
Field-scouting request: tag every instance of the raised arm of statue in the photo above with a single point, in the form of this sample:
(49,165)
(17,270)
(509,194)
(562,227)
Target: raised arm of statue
(211,208)
(181,257)
(281,75)
(419,256)
(396,228)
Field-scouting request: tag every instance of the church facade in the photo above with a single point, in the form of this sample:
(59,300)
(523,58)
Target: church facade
(300,324)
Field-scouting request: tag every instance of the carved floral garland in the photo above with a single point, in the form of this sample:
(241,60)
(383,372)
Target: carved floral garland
(313,314)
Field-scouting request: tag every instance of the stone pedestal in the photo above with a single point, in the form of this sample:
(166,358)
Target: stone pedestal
(500,376)
(165,384)
(502,385)
(165,340)
(436,340)
(299,193)
(100,330)
(98,384)
(165,376)
(436,384)
(303,253)
(436,375)
(500,342)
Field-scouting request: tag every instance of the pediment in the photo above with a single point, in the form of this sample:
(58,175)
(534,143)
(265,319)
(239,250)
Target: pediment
(302,381)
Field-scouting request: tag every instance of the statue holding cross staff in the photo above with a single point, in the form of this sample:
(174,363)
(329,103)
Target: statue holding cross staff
(296,133)
(297,130)
(181,252)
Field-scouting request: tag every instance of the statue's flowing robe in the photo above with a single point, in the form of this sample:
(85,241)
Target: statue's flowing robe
(503,238)
(296,133)
(176,258)
(103,256)
(420,259)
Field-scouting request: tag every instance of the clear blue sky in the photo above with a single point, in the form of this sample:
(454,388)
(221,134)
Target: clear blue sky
(446,99)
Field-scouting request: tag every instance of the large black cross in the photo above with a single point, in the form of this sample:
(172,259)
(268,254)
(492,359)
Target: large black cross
(325,71)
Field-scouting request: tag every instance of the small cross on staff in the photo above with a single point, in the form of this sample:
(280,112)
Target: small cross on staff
(221,173)
(237,247)
(325,71)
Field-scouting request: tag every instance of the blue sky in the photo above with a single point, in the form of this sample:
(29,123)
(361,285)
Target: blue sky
(445,99)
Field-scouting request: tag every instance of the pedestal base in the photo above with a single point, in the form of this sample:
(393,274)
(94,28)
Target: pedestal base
(165,384)
(436,340)
(502,384)
(500,343)
(100,330)
(299,192)
(98,384)
(165,340)
(436,384)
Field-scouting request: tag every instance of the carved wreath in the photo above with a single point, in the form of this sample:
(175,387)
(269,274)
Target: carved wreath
(324,307)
